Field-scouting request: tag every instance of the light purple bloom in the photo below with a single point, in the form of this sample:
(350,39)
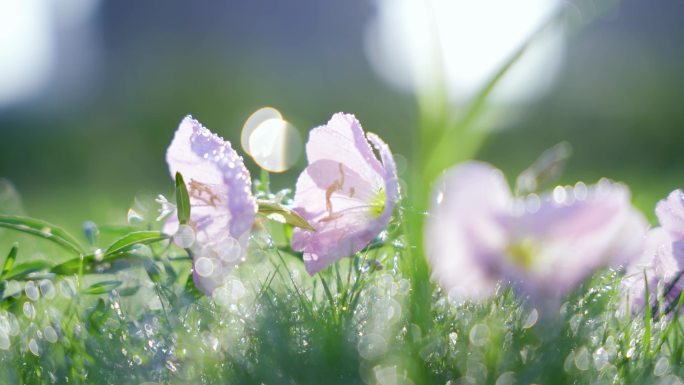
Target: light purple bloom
(478,235)
(662,261)
(221,201)
(345,193)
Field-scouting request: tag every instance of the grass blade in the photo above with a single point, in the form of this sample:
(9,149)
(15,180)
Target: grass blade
(41,229)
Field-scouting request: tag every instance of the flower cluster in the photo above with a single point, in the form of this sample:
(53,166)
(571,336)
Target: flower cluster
(478,235)
(346,194)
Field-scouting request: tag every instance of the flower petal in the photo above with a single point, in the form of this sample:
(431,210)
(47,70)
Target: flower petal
(462,232)
(670,212)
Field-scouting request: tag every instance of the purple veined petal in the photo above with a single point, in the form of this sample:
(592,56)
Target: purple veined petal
(222,205)
(670,212)
(345,193)
(342,140)
(462,231)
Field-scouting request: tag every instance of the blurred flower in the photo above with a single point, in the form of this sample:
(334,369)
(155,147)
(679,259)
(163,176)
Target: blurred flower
(345,193)
(478,234)
(661,263)
(222,205)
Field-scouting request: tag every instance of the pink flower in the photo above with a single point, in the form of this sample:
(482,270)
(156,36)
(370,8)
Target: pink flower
(478,234)
(345,193)
(221,201)
(662,262)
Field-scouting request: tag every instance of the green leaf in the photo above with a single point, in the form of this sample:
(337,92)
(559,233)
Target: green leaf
(9,262)
(92,265)
(41,229)
(129,291)
(182,200)
(102,287)
(134,238)
(23,269)
(279,213)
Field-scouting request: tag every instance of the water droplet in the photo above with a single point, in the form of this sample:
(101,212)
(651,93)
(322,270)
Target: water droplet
(582,359)
(371,346)
(136,359)
(580,191)
(531,319)
(532,203)
(661,367)
(98,254)
(204,267)
(601,358)
(47,289)
(33,347)
(134,218)
(453,338)
(67,287)
(506,378)
(50,334)
(4,341)
(479,335)
(31,291)
(229,250)
(184,237)
(559,195)
(29,310)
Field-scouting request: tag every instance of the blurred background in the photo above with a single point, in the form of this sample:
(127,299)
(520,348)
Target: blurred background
(92,91)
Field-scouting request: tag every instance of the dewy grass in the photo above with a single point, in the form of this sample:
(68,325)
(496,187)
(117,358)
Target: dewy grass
(273,324)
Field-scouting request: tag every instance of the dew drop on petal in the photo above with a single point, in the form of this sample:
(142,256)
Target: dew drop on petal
(559,195)
(229,250)
(184,237)
(31,291)
(204,266)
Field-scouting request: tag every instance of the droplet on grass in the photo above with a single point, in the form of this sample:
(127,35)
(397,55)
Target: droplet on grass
(582,359)
(661,367)
(531,319)
(31,291)
(479,335)
(47,288)
(506,378)
(601,358)
(372,346)
(33,347)
(29,310)
(50,334)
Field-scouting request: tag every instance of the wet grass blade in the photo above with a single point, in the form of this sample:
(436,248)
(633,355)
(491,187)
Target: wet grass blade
(135,238)
(41,229)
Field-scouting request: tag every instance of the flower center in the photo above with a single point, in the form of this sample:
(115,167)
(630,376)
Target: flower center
(378,203)
(522,252)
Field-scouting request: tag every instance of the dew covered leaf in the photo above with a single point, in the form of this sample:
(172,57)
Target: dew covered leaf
(134,238)
(41,229)
(109,264)
(279,213)
(23,269)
